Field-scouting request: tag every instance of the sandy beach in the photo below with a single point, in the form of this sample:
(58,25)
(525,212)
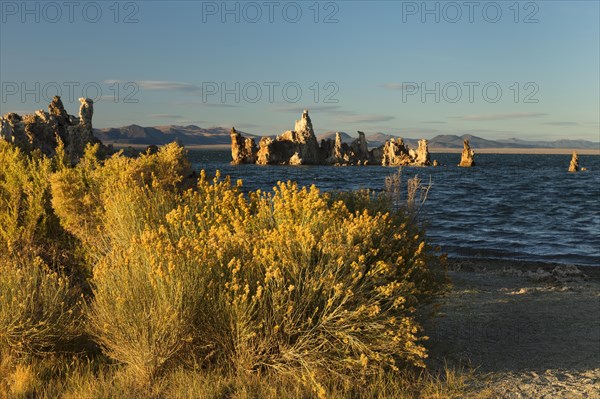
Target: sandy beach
(530,330)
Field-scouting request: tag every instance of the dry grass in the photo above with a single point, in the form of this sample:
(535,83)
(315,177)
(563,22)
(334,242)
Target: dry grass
(85,380)
(22,381)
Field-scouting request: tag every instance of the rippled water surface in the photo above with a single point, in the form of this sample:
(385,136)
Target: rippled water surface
(509,206)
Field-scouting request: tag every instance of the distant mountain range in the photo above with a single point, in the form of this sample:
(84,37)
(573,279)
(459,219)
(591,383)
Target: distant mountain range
(454,141)
(159,135)
(195,135)
(346,138)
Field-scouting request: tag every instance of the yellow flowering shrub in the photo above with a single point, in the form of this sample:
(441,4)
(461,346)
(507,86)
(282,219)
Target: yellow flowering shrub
(293,282)
(288,282)
(323,289)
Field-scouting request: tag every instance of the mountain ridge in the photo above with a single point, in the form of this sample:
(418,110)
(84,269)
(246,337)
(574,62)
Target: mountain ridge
(195,135)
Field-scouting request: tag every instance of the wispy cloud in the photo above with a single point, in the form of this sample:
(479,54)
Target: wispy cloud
(398,86)
(164,85)
(219,105)
(339,115)
(314,108)
(108,99)
(189,122)
(434,122)
(561,123)
(364,118)
(203,104)
(168,85)
(409,132)
(247,126)
(165,116)
(499,117)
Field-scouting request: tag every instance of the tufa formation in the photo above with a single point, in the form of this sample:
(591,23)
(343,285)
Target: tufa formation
(300,147)
(44,130)
(467,159)
(574,165)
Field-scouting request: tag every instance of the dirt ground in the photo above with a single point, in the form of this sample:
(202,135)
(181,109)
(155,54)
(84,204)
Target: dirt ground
(530,330)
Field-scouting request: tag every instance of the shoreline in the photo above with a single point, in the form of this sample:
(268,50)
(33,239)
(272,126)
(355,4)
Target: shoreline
(524,151)
(525,333)
(483,264)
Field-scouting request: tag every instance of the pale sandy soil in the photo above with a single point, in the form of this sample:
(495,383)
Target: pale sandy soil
(530,335)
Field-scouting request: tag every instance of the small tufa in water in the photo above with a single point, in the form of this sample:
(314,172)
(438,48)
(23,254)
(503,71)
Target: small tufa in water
(467,159)
(574,165)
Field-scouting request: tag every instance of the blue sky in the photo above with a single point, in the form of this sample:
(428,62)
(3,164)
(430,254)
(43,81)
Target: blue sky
(494,69)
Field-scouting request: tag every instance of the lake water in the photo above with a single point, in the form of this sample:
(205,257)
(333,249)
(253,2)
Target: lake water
(524,207)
